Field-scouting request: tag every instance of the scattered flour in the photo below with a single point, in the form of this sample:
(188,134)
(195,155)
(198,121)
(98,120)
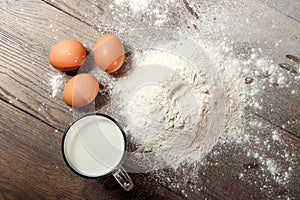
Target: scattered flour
(157,115)
(275,135)
(56,82)
(135,5)
(166,105)
(243,79)
(148,8)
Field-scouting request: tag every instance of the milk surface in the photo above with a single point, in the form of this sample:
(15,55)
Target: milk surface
(94,146)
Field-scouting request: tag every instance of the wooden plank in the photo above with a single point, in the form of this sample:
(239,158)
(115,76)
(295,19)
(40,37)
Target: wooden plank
(278,104)
(28,31)
(221,181)
(32,166)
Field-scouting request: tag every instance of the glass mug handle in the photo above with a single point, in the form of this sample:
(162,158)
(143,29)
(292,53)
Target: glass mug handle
(123,179)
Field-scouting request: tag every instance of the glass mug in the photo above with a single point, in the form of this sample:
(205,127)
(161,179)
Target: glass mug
(94,145)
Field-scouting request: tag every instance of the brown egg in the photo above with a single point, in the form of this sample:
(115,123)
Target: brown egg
(80,90)
(67,55)
(109,53)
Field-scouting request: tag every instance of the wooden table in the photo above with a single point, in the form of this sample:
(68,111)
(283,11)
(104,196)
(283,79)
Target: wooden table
(32,123)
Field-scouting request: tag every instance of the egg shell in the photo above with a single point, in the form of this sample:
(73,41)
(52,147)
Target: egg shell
(80,90)
(67,55)
(109,53)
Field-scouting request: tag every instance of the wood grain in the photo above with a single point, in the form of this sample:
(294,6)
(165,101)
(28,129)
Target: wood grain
(32,166)
(31,161)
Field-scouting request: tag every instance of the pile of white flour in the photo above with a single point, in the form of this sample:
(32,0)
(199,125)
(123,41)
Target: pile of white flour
(167,105)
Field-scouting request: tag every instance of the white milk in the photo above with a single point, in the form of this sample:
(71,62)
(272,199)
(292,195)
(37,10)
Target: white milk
(94,146)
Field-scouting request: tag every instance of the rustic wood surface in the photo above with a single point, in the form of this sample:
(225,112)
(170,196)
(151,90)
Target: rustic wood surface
(32,122)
